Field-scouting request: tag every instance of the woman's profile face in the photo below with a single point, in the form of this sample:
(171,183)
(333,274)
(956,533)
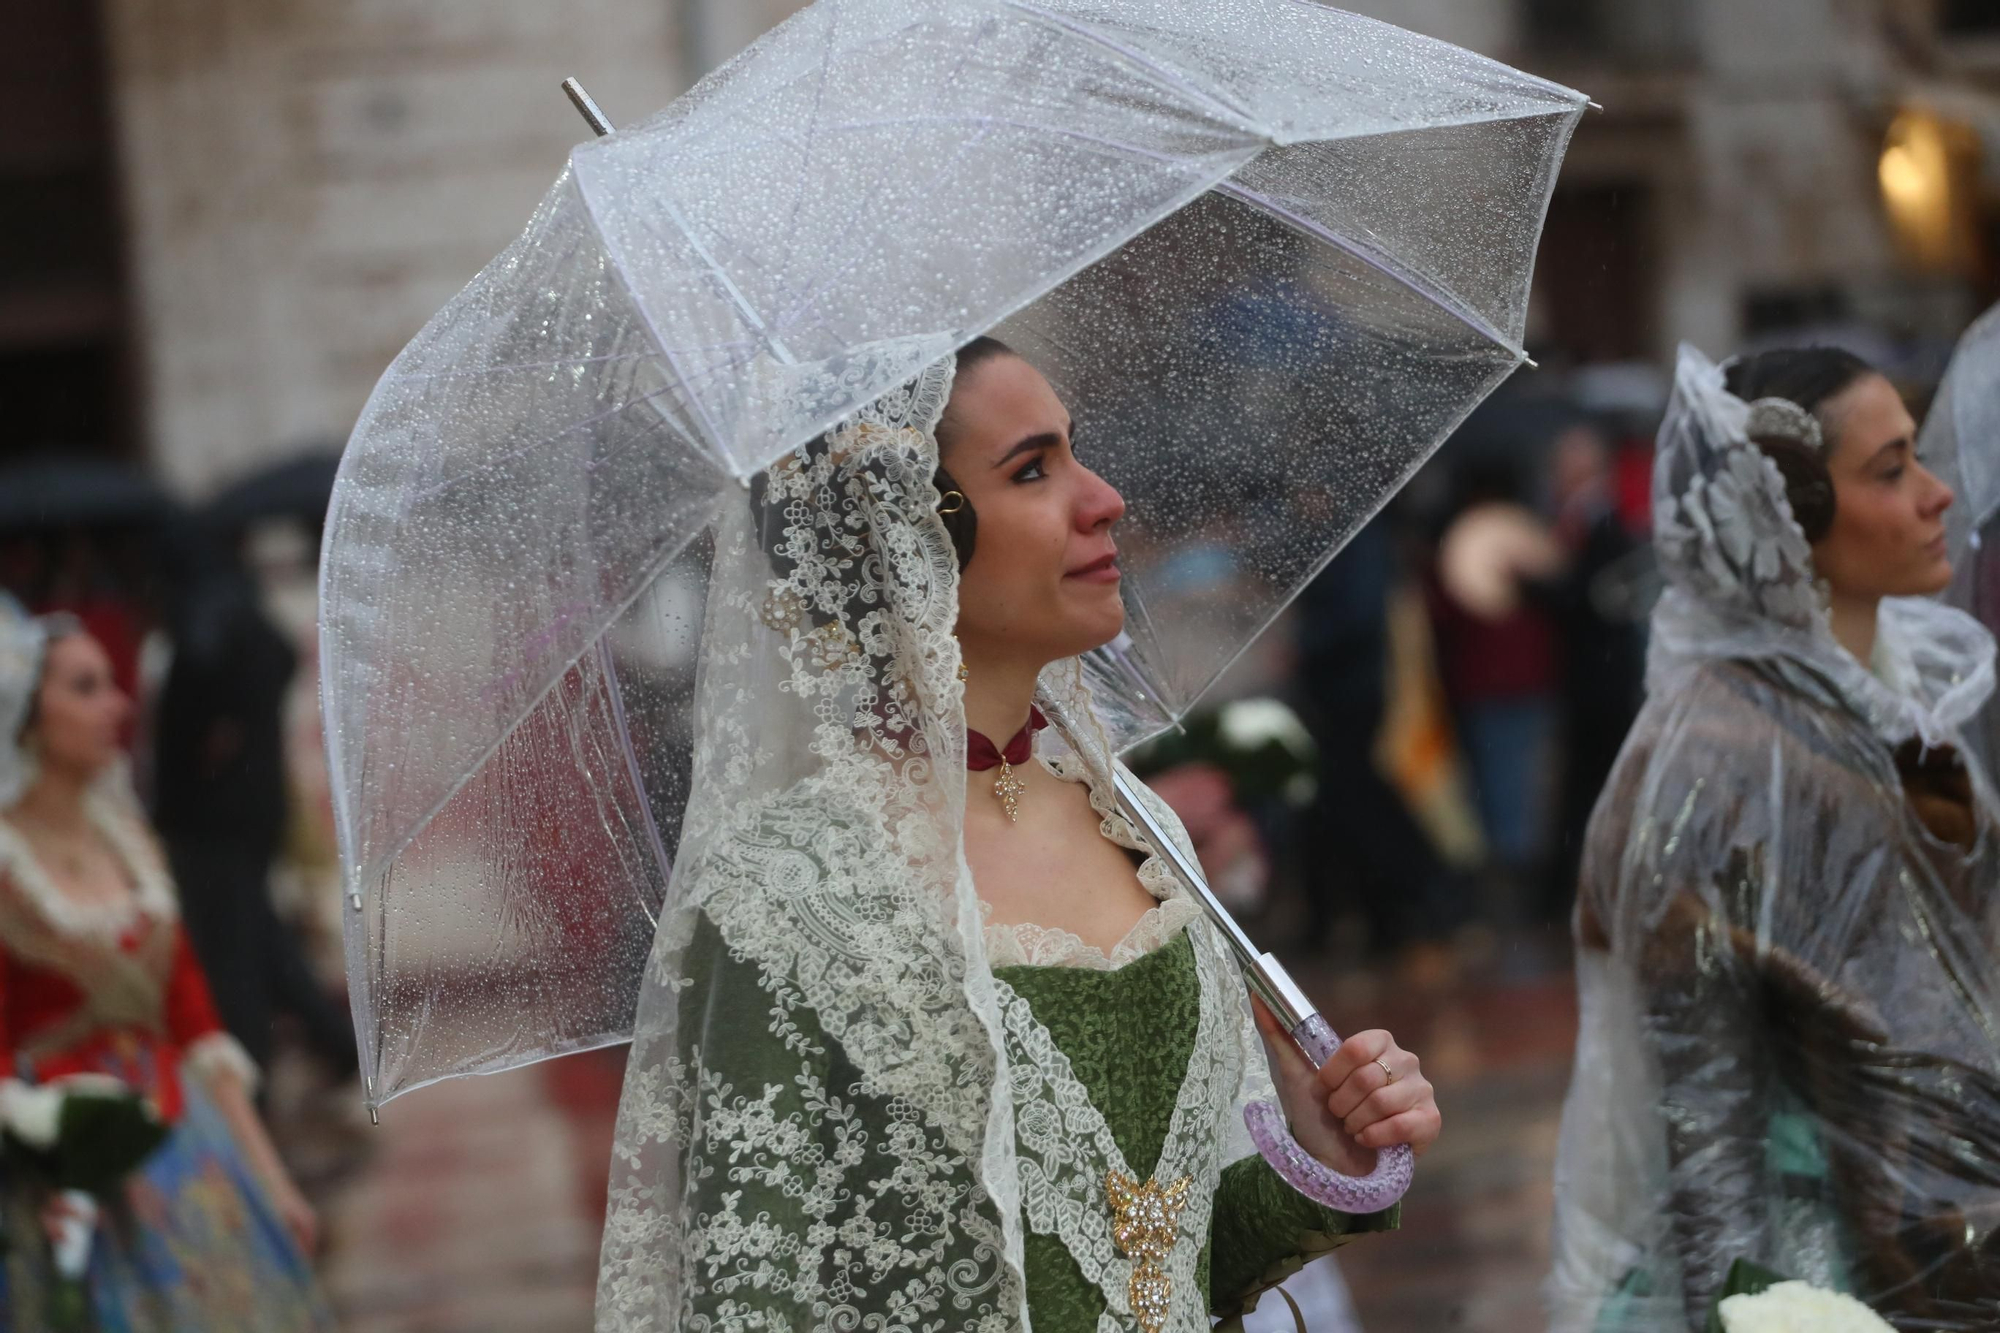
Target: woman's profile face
(80,711)
(1043,581)
(1887,537)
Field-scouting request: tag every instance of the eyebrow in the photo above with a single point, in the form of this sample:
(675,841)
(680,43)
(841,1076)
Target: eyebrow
(1047,439)
(1900,442)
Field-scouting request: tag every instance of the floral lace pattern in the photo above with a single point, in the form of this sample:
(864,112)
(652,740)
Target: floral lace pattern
(917,1117)
(1024,944)
(1732,537)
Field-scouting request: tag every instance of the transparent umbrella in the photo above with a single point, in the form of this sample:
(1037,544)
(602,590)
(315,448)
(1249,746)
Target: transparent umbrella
(1961,443)
(1270,253)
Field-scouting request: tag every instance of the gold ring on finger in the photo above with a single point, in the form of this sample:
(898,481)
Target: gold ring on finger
(1386,1070)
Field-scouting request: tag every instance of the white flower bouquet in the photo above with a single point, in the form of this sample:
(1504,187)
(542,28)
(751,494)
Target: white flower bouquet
(1258,744)
(81,1135)
(1756,1300)
(1798,1307)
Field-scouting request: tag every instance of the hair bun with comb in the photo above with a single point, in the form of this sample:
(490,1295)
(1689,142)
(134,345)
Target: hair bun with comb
(1783,419)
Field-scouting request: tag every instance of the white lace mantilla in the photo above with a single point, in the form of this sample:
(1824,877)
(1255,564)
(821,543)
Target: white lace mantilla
(862,1143)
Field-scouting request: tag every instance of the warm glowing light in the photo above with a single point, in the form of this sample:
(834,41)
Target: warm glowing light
(1904,179)
(1917,173)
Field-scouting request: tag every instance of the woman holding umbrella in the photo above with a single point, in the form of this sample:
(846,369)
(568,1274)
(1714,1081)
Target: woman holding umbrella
(1786,924)
(848,1106)
(806,1134)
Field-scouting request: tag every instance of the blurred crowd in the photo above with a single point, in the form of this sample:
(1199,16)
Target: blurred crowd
(1460,679)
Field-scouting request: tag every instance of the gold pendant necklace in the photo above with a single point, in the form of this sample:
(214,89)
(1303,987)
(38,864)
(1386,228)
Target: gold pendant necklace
(1010,790)
(982,754)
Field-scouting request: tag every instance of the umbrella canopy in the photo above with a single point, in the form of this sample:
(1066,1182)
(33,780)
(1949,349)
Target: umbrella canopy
(51,493)
(1269,253)
(1960,442)
(299,487)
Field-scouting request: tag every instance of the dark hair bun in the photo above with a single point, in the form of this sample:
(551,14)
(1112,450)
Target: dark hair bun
(1807,376)
(1808,483)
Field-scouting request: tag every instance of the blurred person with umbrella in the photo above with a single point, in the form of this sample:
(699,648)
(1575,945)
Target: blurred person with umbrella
(101,997)
(222,794)
(81,535)
(779,286)
(1787,913)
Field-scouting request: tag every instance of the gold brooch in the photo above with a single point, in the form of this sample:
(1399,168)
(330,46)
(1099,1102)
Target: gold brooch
(1145,1221)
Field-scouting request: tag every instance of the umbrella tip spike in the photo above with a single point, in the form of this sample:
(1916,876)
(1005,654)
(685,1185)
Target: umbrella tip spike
(586,107)
(1531,363)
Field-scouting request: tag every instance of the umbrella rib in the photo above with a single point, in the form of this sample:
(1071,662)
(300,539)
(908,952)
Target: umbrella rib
(380,863)
(790,316)
(1113,148)
(796,302)
(729,287)
(1375,259)
(617,262)
(615,696)
(597,461)
(1176,79)
(813,118)
(533,446)
(560,363)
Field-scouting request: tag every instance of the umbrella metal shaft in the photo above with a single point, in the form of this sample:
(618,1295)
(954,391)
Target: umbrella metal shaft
(1266,975)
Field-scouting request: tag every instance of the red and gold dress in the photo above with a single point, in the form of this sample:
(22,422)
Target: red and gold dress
(115,990)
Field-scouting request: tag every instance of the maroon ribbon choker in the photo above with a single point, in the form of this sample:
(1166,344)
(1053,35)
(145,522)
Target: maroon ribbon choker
(981,754)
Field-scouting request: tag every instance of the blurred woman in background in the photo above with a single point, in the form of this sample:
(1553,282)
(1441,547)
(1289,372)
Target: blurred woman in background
(99,988)
(1787,920)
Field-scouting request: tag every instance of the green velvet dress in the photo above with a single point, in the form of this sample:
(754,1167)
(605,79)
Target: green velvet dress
(1129,1034)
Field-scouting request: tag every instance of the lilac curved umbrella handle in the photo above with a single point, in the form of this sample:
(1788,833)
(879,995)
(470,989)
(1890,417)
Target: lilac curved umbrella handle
(1371,1193)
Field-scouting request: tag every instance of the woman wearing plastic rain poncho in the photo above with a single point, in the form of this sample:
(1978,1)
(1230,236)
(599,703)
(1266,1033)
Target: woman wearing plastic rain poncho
(1786,926)
(928,1042)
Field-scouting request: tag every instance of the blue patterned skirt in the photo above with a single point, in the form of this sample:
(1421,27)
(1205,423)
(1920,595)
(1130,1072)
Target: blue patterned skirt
(194,1246)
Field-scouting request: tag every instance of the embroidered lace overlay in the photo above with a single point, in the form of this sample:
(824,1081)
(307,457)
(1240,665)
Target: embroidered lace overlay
(918,1120)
